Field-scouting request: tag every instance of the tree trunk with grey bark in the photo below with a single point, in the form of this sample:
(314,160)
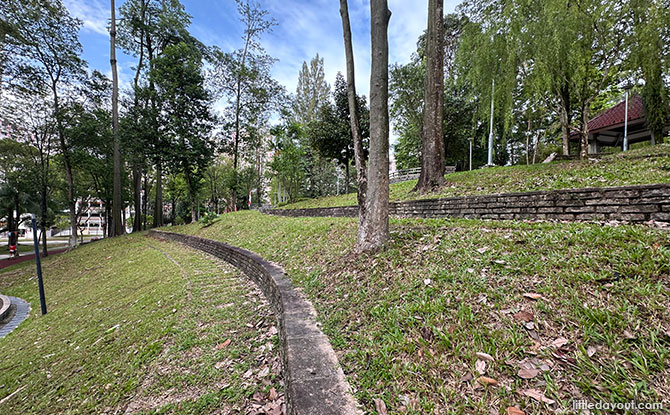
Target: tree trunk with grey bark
(117,225)
(432,143)
(374,231)
(359,153)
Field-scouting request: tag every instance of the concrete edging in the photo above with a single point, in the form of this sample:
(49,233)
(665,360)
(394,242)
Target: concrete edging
(22,312)
(314,381)
(632,204)
(6,302)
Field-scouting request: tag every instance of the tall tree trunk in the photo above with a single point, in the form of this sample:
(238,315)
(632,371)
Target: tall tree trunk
(359,153)
(117,226)
(69,178)
(158,209)
(137,197)
(565,109)
(432,143)
(584,134)
(374,232)
(238,109)
(191,195)
(145,200)
(528,143)
(43,219)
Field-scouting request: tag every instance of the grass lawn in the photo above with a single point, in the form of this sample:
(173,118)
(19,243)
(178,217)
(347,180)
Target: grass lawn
(648,165)
(550,312)
(139,326)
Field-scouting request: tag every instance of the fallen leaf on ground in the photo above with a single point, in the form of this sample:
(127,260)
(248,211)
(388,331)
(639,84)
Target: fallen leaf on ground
(590,351)
(485,356)
(224,344)
(528,373)
(533,296)
(513,410)
(561,341)
(380,406)
(427,281)
(483,249)
(524,316)
(480,367)
(487,381)
(273,395)
(537,395)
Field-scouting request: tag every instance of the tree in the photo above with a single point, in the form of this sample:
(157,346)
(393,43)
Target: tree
(243,77)
(184,108)
(649,20)
(359,155)
(47,49)
(117,225)
(312,91)
(288,163)
(146,28)
(31,120)
(330,132)
(375,229)
(432,148)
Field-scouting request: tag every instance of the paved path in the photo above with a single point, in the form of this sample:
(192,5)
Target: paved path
(21,313)
(5,262)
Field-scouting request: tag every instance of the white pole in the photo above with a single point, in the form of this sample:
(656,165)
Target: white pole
(493,90)
(625,125)
(471,152)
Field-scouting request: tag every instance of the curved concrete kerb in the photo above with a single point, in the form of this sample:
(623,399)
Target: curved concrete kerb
(5,302)
(315,383)
(21,312)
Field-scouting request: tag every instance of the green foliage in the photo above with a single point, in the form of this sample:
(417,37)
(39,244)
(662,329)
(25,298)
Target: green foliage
(330,133)
(185,114)
(288,164)
(208,219)
(311,93)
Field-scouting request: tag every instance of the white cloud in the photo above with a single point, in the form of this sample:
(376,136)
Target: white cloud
(94,14)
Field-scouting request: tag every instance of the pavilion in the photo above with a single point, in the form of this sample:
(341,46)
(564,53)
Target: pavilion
(607,129)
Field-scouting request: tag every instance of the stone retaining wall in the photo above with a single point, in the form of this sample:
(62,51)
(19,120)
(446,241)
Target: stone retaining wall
(315,383)
(627,204)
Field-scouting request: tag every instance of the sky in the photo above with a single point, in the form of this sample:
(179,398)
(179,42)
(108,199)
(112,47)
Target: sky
(304,28)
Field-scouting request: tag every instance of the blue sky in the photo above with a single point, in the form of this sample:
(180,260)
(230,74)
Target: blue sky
(304,29)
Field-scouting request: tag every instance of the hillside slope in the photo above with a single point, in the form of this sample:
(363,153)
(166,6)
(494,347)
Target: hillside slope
(649,165)
(566,311)
(137,325)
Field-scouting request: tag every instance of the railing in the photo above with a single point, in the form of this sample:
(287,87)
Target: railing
(412,174)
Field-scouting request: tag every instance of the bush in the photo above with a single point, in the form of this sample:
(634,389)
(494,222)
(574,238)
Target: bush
(208,219)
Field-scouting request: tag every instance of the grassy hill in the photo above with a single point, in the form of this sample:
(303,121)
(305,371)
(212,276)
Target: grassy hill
(566,311)
(137,326)
(648,165)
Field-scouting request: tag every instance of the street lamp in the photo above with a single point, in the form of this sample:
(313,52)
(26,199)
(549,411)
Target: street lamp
(38,265)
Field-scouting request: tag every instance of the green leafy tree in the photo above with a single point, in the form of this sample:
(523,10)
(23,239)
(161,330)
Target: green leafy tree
(288,163)
(185,115)
(311,93)
(330,132)
(46,48)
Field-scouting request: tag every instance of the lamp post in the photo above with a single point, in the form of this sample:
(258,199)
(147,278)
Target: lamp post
(38,265)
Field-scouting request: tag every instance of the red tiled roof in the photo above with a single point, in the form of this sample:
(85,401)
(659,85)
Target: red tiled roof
(615,115)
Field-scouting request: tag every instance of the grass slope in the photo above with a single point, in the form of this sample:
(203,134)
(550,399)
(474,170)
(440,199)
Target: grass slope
(649,165)
(409,321)
(137,326)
